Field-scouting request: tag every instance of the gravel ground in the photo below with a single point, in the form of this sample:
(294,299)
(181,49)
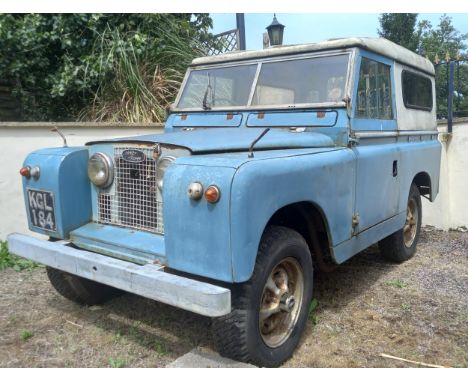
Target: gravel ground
(417,310)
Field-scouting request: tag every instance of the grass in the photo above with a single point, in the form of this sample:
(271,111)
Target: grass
(406,307)
(397,284)
(25,335)
(313,311)
(8,260)
(161,348)
(117,363)
(119,338)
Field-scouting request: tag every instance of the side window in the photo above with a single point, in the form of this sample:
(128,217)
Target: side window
(374,98)
(417,91)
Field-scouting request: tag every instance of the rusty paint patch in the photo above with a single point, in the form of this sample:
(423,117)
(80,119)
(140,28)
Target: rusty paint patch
(261,115)
(321,114)
(183,117)
(229,116)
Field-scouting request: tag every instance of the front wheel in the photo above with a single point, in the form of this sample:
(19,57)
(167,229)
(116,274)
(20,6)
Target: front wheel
(269,312)
(79,289)
(401,245)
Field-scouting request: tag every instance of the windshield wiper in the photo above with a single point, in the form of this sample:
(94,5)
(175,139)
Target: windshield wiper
(209,89)
(256,140)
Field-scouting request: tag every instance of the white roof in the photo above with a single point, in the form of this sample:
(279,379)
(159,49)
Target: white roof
(381,46)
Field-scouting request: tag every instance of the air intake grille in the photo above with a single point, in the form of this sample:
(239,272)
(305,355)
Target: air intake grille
(134,200)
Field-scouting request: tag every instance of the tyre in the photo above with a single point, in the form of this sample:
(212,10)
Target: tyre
(401,245)
(79,289)
(269,312)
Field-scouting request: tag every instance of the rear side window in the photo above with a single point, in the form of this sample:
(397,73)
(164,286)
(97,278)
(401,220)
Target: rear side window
(417,91)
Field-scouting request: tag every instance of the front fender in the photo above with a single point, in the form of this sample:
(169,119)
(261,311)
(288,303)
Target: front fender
(262,187)
(197,233)
(63,172)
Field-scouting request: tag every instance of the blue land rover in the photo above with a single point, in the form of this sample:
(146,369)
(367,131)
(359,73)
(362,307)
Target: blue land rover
(272,163)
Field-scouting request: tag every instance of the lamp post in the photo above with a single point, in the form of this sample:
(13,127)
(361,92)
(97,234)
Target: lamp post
(240,22)
(275,32)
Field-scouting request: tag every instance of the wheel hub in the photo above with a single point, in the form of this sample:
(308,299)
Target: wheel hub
(281,302)
(411,223)
(287,302)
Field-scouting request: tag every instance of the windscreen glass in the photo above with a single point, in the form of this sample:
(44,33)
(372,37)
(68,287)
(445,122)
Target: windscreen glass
(305,81)
(218,87)
(314,80)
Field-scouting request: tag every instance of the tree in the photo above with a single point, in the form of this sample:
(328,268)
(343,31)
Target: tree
(399,28)
(63,66)
(444,44)
(435,43)
(441,40)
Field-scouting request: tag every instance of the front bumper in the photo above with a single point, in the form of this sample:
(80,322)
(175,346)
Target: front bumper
(145,280)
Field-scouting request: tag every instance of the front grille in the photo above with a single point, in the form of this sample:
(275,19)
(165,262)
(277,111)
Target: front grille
(134,200)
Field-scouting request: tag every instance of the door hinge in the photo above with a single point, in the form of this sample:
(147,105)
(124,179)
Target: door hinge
(355,223)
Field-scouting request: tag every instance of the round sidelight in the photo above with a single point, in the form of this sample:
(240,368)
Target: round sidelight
(100,170)
(195,190)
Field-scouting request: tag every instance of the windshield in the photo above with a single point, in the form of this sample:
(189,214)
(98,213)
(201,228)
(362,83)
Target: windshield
(217,87)
(289,82)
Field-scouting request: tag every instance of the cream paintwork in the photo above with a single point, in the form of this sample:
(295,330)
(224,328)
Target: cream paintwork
(377,45)
(411,119)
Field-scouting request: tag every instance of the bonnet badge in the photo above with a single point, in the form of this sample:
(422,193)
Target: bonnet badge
(133,156)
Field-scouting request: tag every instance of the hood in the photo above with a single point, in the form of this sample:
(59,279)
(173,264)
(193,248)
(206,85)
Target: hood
(227,139)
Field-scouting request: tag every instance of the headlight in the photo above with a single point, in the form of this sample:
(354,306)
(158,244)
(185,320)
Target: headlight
(101,170)
(163,164)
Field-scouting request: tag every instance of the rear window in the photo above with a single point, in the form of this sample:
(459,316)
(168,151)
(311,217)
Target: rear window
(417,91)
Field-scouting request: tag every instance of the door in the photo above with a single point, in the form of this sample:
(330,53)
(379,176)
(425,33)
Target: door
(377,153)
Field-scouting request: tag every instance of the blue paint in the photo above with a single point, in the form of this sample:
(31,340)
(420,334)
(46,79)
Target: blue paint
(123,243)
(325,179)
(320,166)
(377,190)
(420,157)
(207,120)
(64,173)
(326,118)
(356,244)
(224,139)
(197,233)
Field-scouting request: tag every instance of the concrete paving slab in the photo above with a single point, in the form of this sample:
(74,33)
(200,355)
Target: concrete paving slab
(204,358)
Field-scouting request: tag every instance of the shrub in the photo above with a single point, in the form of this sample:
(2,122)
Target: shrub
(8,260)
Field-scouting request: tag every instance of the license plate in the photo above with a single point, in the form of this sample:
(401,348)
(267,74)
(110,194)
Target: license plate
(41,209)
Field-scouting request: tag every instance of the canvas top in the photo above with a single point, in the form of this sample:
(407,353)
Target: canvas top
(380,46)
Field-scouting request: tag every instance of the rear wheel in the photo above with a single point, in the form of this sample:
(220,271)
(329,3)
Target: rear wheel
(79,289)
(269,312)
(401,245)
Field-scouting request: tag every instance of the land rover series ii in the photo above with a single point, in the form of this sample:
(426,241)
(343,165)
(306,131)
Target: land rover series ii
(273,163)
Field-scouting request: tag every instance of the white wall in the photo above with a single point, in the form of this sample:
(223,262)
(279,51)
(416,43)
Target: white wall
(450,209)
(17,140)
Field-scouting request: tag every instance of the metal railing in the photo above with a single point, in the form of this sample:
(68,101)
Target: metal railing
(452,88)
